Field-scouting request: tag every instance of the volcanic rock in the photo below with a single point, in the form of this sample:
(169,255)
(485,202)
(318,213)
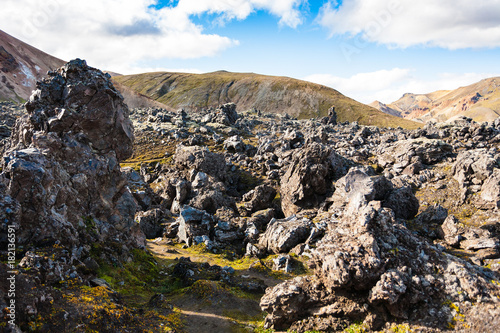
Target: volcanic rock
(367,267)
(307,179)
(283,235)
(63,162)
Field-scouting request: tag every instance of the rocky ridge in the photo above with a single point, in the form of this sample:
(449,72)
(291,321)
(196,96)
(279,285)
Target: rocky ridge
(270,94)
(62,192)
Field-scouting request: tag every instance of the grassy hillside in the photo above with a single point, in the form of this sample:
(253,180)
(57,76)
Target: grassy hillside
(266,93)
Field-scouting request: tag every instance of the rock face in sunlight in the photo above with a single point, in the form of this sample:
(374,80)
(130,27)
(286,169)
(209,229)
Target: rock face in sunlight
(334,225)
(369,266)
(62,165)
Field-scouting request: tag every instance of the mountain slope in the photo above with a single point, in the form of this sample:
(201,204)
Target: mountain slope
(479,101)
(385,108)
(266,93)
(21,65)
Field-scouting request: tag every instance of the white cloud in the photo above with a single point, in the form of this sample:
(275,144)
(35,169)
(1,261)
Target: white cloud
(120,34)
(451,24)
(389,85)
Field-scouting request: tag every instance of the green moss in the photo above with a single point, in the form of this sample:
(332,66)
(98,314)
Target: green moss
(90,226)
(226,258)
(356,328)
(138,279)
(247,181)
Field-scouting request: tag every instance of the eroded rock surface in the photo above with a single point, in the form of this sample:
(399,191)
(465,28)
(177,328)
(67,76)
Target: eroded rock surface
(63,162)
(309,176)
(367,267)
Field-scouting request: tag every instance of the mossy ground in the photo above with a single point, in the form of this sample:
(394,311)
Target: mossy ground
(70,306)
(125,303)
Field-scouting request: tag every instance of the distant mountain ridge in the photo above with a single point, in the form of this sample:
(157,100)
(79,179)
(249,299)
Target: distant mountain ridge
(479,101)
(271,94)
(21,66)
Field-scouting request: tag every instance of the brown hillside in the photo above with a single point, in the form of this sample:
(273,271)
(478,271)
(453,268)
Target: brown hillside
(21,65)
(479,101)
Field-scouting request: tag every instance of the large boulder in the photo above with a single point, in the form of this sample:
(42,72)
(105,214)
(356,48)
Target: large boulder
(283,235)
(151,222)
(477,165)
(404,152)
(201,160)
(309,177)
(403,202)
(234,144)
(490,192)
(259,198)
(370,269)
(359,187)
(63,162)
(226,114)
(195,226)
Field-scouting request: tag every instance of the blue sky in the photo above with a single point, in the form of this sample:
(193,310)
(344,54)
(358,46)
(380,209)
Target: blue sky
(366,49)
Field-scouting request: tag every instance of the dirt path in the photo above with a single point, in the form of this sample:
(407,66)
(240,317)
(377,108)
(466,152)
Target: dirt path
(208,322)
(222,311)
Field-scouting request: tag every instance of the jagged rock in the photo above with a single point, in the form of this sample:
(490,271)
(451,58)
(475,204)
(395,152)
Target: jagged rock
(200,180)
(194,223)
(308,177)
(283,235)
(359,187)
(368,267)
(226,114)
(142,192)
(431,220)
(201,160)
(151,222)
(452,231)
(474,164)
(63,162)
(400,154)
(490,191)
(481,238)
(234,144)
(261,218)
(331,119)
(182,189)
(293,137)
(259,198)
(403,202)
(211,201)
(283,263)
(486,237)
(9,216)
